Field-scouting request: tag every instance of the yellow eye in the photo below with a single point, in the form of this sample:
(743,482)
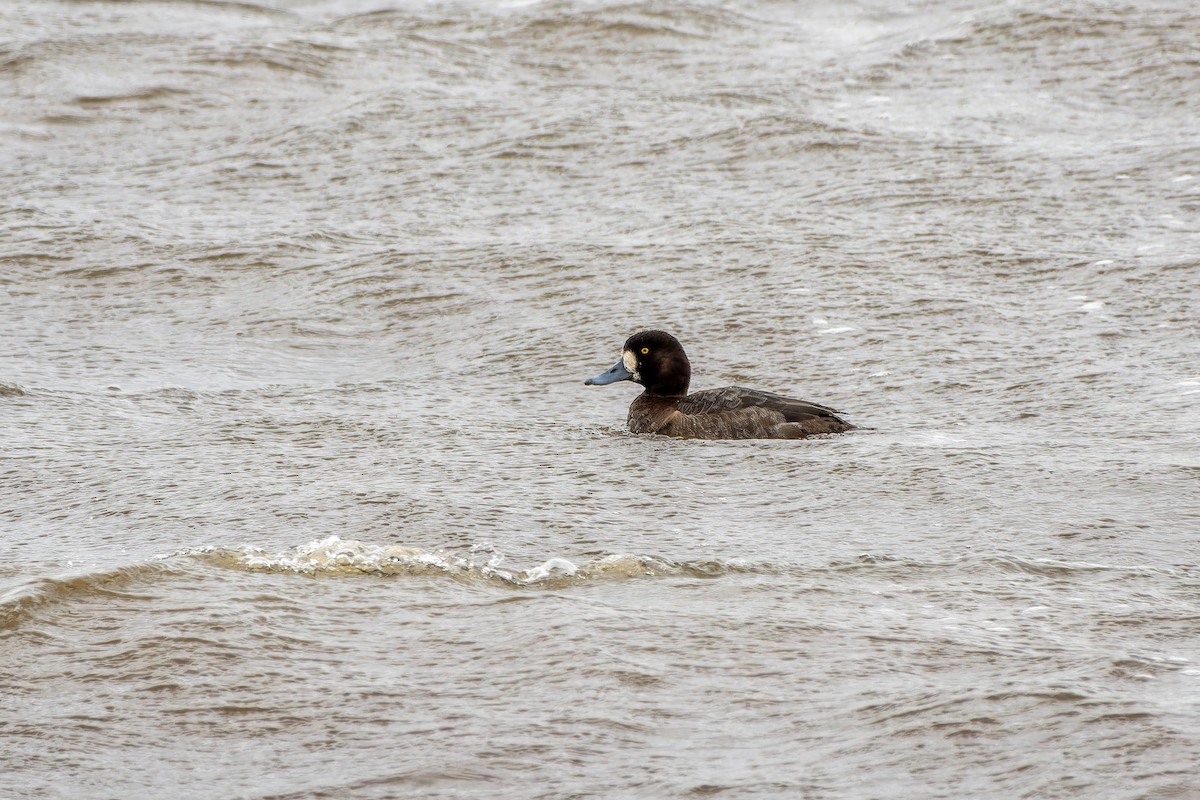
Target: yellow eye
(645,350)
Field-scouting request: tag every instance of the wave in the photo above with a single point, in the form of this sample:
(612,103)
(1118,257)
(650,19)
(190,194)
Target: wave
(335,556)
(483,565)
(21,602)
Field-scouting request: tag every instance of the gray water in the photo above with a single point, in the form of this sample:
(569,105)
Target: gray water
(304,497)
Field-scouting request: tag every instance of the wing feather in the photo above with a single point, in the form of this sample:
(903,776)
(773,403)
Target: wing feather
(735,397)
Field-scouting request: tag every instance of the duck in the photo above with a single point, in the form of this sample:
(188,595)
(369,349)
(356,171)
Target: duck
(656,360)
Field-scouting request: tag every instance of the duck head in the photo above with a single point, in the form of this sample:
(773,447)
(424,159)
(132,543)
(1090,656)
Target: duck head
(654,359)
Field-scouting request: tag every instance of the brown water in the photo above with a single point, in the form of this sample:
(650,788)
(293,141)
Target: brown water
(304,495)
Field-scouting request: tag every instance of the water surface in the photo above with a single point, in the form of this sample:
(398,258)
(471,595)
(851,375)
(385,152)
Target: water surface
(304,496)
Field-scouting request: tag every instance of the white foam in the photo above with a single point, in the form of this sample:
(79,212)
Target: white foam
(554,568)
(336,556)
(333,554)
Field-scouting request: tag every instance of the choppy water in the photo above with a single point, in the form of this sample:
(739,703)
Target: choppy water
(303,495)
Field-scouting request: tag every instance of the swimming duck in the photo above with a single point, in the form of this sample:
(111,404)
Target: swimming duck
(656,360)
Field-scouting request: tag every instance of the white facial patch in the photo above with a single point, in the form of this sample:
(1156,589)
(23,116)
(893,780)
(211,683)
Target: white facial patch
(630,362)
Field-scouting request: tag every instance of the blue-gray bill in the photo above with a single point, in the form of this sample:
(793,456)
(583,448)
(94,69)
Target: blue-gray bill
(616,373)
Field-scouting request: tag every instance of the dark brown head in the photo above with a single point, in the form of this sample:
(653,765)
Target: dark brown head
(656,360)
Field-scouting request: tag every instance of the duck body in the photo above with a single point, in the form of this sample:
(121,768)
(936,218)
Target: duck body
(656,360)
